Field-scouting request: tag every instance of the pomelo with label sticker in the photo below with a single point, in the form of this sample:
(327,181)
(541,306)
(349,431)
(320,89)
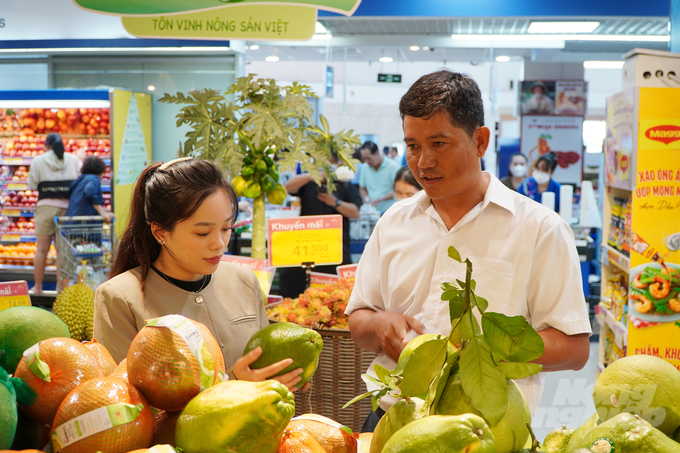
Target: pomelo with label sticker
(172,359)
(643,385)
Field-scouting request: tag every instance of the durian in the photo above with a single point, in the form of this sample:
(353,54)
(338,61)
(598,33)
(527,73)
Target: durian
(75,306)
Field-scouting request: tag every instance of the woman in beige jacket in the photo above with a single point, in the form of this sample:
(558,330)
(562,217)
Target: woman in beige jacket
(169,262)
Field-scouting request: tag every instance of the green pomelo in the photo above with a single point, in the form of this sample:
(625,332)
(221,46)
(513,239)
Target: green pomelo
(642,385)
(626,433)
(398,416)
(285,340)
(8,411)
(510,433)
(578,435)
(21,328)
(557,440)
(466,433)
(236,416)
(419,340)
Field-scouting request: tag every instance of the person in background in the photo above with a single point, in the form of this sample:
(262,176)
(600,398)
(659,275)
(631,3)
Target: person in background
(315,200)
(169,262)
(541,180)
(539,101)
(394,154)
(51,174)
(86,196)
(377,177)
(357,176)
(405,185)
(517,171)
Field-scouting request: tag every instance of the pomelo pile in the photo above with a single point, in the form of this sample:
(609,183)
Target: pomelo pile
(322,307)
(74,396)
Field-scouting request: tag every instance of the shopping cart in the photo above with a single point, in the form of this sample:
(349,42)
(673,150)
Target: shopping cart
(85,246)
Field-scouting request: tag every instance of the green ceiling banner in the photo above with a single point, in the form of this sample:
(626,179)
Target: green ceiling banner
(156,7)
(247,22)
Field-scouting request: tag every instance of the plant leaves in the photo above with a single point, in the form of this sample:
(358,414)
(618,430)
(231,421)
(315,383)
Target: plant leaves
(425,363)
(367,378)
(519,370)
(512,337)
(481,303)
(453,253)
(399,369)
(456,307)
(358,398)
(468,326)
(381,372)
(448,295)
(439,383)
(449,287)
(483,382)
(375,399)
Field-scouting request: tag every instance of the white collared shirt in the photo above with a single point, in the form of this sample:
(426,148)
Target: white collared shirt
(524,262)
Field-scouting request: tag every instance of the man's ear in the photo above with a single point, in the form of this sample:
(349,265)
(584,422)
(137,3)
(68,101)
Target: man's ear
(481,139)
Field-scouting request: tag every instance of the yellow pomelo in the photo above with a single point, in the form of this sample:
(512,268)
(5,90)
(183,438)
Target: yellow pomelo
(21,328)
(236,416)
(558,439)
(580,434)
(466,433)
(399,415)
(642,385)
(510,433)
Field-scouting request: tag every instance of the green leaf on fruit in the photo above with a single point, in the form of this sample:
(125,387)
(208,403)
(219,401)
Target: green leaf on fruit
(448,295)
(453,253)
(439,382)
(375,399)
(483,382)
(456,307)
(358,398)
(367,378)
(426,362)
(519,370)
(481,303)
(446,286)
(512,337)
(381,372)
(468,326)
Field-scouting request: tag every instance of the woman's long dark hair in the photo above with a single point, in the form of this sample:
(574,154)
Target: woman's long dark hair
(404,174)
(54,140)
(165,197)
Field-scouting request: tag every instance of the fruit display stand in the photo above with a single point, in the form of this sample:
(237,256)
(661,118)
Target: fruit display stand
(639,306)
(86,120)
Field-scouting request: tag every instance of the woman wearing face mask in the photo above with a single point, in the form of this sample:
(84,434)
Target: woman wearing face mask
(541,180)
(516,172)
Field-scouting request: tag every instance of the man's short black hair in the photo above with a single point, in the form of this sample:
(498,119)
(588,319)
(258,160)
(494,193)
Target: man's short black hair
(456,94)
(93,166)
(369,145)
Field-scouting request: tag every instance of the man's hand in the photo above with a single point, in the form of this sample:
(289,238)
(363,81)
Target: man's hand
(382,331)
(562,351)
(330,200)
(375,202)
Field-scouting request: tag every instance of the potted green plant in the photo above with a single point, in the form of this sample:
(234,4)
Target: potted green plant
(268,128)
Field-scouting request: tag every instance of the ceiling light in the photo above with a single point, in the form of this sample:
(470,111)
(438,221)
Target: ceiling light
(320,29)
(151,88)
(573,37)
(603,64)
(563,27)
(272,58)
(254,47)
(386,59)
(502,58)
(414,48)
(426,48)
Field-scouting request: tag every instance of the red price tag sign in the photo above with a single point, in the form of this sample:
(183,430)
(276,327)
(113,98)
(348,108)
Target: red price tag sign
(263,271)
(348,271)
(319,279)
(14,294)
(307,239)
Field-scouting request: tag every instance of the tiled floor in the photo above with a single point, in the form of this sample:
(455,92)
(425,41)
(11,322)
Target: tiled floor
(567,398)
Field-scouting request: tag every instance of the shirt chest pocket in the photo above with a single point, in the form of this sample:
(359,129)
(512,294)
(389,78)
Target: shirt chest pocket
(244,319)
(495,280)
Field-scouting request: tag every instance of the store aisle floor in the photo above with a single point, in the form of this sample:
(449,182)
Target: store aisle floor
(567,398)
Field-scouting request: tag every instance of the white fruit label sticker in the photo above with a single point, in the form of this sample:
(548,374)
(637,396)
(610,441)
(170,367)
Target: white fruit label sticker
(189,332)
(615,402)
(603,445)
(162,449)
(94,422)
(37,366)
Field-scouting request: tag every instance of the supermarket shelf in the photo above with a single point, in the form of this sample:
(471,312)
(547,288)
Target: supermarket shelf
(606,318)
(17,237)
(17,212)
(16,160)
(17,269)
(614,257)
(106,187)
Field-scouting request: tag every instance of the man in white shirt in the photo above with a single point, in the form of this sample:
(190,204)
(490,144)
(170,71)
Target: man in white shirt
(524,257)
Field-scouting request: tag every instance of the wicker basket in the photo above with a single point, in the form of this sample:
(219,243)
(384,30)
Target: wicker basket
(337,380)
